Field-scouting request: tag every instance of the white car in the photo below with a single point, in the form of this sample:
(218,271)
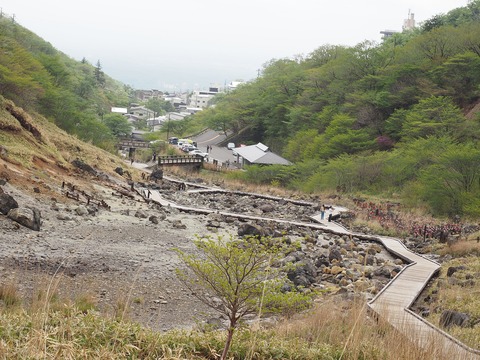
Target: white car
(199,152)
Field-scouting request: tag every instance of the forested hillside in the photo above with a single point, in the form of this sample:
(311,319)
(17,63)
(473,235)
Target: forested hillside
(74,95)
(393,118)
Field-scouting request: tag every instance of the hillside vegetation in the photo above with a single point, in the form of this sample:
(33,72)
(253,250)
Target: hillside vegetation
(74,95)
(398,119)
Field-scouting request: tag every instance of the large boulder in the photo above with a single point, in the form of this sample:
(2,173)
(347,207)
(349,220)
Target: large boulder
(7,203)
(156,174)
(303,274)
(452,317)
(335,254)
(250,230)
(266,208)
(28,217)
(84,166)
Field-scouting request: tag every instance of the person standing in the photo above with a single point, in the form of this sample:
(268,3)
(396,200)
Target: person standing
(322,212)
(330,214)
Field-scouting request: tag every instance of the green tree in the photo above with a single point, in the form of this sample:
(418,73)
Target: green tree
(451,186)
(118,124)
(435,116)
(99,75)
(159,106)
(238,272)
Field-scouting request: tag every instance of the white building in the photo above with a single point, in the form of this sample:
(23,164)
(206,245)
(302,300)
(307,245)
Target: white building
(409,24)
(200,99)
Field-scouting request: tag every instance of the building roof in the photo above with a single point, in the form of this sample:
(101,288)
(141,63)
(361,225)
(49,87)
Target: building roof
(119,110)
(260,154)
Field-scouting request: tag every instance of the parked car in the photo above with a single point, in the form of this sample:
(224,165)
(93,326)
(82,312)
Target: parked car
(230,146)
(199,153)
(173,140)
(187,148)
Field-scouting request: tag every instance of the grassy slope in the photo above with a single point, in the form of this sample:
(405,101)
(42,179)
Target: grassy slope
(33,147)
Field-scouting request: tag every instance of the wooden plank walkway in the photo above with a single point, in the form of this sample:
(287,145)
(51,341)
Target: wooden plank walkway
(393,302)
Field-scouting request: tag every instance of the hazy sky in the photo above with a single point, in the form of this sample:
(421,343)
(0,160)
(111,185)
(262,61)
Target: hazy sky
(192,44)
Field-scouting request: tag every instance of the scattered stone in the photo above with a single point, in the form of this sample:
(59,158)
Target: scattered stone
(81,210)
(7,203)
(141,214)
(177,224)
(64,217)
(453,269)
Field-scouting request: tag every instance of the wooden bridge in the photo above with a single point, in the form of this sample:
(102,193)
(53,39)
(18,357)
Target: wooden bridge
(132,144)
(180,160)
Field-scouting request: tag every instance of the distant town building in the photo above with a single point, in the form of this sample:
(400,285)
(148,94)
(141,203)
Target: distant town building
(145,95)
(200,99)
(177,100)
(233,85)
(409,24)
(387,33)
(141,112)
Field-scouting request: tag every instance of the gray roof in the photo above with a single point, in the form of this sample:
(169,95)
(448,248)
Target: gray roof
(260,154)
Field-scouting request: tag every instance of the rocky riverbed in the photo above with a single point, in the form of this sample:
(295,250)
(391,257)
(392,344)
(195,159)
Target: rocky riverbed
(121,257)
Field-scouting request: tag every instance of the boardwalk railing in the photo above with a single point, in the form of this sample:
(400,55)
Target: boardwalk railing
(179,159)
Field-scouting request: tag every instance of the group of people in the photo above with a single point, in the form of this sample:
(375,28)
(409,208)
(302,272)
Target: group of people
(326,209)
(209,148)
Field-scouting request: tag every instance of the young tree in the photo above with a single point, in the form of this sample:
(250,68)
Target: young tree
(118,124)
(239,272)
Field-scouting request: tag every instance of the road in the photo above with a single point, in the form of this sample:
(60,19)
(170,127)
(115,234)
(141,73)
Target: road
(212,138)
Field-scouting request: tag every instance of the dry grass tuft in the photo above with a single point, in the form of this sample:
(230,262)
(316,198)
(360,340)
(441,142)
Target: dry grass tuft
(461,248)
(9,295)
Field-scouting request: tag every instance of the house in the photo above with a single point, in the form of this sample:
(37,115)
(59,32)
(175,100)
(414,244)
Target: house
(141,112)
(258,154)
(156,123)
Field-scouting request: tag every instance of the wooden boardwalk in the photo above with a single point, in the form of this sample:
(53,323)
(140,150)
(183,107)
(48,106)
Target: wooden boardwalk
(393,302)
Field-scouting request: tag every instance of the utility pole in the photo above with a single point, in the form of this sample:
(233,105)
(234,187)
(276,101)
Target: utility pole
(168,127)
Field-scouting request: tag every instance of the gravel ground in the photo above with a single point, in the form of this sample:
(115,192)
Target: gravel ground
(112,257)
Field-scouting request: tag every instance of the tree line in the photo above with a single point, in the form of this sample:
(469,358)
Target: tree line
(389,118)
